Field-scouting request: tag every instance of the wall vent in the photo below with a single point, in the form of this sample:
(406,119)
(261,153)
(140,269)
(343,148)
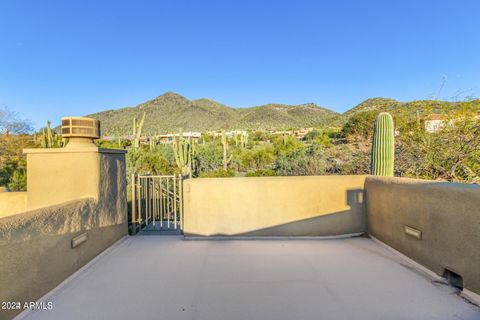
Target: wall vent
(417,234)
(454,279)
(78,240)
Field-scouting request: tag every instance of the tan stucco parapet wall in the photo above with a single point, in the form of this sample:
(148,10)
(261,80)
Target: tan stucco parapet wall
(71,192)
(12,203)
(36,246)
(51,174)
(274,206)
(72,150)
(446,214)
(57,175)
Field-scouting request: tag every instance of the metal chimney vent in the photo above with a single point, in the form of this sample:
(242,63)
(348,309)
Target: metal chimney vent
(80,127)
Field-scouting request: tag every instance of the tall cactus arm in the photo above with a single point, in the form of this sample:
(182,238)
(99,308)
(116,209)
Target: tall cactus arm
(49,135)
(138,131)
(176,153)
(44,139)
(225,148)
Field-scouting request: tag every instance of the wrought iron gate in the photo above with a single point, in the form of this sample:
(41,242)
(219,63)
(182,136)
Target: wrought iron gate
(157,202)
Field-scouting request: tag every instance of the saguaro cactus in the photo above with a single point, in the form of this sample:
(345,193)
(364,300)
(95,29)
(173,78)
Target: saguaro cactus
(244,139)
(50,139)
(137,130)
(383,146)
(184,152)
(226,158)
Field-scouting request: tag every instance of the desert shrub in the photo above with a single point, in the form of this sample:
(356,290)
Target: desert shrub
(11,147)
(158,161)
(209,157)
(312,135)
(451,154)
(258,136)
(262,173)
(291,162)
(304,160)
(18,180)
(13,164)
(13,174)
(218,173)
(286,144)
(348,159)
(259,157)
(113,144)
(320,137)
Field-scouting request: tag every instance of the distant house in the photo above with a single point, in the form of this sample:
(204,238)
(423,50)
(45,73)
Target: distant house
(301,133)
(169,137)
(435,122)
(234,133)
(231,133)
(164,138)
(281,133)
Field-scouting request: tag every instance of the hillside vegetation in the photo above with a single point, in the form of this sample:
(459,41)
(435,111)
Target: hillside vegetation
(340,145)
(422,107)
(450,154)
(170,112)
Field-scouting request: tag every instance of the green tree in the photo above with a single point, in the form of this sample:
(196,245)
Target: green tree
(13,174)
(359,126)
(12,123)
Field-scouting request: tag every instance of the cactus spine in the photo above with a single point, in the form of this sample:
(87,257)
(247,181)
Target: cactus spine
(383,146)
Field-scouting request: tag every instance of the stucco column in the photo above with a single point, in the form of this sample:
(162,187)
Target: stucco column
(62,174)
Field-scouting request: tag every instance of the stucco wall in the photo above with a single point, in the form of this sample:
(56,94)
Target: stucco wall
(59,175)
(274,206)
(12,203)
(35,246)
(447,214)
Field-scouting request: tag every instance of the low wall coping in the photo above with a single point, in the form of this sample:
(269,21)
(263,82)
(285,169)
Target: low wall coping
(72,150)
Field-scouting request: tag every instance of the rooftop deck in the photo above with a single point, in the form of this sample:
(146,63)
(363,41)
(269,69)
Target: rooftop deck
(166,277)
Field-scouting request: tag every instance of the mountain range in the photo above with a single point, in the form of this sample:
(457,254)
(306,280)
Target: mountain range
(171,112)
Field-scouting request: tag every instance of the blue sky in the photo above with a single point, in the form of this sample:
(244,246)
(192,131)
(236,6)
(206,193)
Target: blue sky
(62,58)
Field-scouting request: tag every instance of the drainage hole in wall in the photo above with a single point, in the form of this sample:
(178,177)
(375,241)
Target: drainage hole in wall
(454,279)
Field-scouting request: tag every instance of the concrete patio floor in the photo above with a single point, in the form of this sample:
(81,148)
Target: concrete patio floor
(166,277)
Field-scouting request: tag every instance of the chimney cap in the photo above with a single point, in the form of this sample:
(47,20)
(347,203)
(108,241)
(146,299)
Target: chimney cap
(80,127)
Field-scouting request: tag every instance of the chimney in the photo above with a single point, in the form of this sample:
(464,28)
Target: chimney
(81,169)
(80,132)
